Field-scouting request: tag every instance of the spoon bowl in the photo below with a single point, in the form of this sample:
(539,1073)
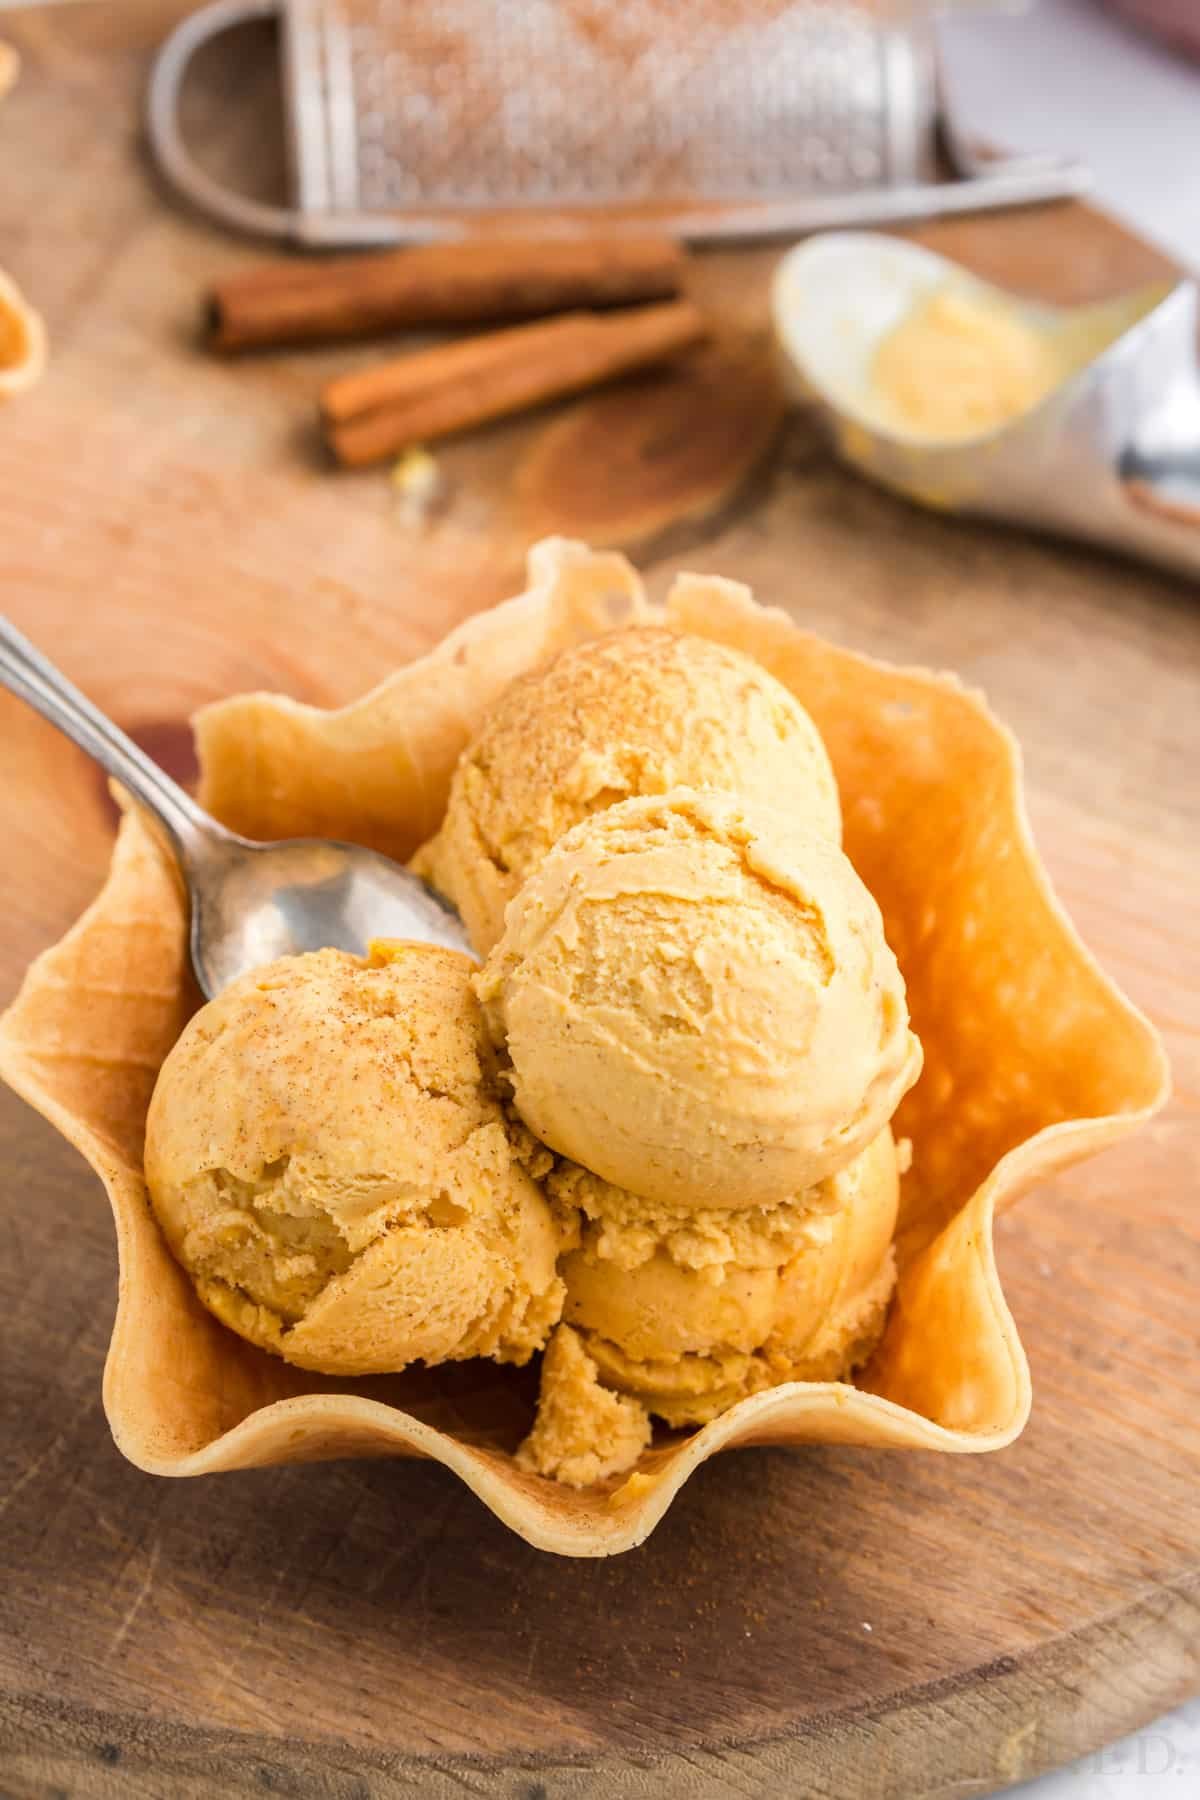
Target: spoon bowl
(250,902)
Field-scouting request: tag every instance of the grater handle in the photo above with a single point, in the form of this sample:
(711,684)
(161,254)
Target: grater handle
(162,122)
(305,230)
(313,231)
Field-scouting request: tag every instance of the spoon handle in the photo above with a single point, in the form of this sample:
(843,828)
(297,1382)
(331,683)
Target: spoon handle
(34,679)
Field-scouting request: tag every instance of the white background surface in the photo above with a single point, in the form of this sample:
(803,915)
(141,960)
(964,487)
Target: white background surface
(1070,77)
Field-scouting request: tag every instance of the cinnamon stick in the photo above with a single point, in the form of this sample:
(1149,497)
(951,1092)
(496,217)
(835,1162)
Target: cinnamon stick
(381,410)
(439,284)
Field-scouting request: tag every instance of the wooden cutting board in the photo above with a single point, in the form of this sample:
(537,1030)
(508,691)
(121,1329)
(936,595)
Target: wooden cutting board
(828,1623)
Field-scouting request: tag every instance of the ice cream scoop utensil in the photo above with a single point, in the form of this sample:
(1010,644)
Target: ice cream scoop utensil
(1110,455)
(250,902)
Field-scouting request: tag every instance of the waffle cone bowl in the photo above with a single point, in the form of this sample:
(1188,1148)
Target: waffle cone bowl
(1033,1058)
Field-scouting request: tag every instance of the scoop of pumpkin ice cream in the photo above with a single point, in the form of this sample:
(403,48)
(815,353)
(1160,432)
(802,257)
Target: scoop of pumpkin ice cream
(624,1230)
(583,1431)
(329,1162)
(698,1003)
(688,1316)
(637,711)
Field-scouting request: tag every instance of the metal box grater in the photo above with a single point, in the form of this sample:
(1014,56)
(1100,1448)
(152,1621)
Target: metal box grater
(710,118)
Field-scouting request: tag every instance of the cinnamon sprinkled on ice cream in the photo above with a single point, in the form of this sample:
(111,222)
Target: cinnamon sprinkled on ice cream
(637,711)
(329,1162)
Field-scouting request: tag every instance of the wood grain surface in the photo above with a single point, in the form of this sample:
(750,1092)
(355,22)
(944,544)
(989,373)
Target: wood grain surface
(832,1623)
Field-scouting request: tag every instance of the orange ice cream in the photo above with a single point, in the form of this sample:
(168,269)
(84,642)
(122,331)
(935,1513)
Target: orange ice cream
(698,1003)
(330,1164)
(639,711)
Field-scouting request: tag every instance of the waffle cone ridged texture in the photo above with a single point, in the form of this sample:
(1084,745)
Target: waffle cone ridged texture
(1033,1057)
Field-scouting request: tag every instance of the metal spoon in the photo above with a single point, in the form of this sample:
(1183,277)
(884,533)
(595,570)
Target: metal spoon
(250,902)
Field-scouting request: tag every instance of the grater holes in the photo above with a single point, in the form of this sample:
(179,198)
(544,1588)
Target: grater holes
(577,101)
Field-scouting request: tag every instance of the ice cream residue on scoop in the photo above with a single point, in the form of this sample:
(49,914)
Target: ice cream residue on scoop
(959,364)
